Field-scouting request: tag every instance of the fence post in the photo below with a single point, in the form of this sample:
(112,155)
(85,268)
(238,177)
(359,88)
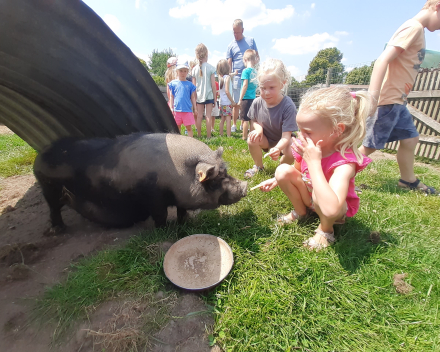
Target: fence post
(329,73)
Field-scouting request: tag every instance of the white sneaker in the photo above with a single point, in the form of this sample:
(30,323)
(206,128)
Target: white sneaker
(233,128)
(241,127)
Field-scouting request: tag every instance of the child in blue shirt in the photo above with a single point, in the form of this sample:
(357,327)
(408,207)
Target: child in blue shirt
(248,88)
(183,98)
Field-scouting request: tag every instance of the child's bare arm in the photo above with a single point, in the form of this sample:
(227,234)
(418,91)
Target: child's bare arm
(228,93)
(331,196)
(193,102)
(214,88)
(379,70)
(243,90)
(172,102)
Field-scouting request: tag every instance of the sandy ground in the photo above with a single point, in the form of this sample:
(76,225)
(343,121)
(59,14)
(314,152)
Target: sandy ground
(31,262)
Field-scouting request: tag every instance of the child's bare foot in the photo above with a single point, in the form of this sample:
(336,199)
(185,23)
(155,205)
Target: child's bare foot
(320,240)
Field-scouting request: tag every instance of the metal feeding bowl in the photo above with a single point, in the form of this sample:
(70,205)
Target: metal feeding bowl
(198,262)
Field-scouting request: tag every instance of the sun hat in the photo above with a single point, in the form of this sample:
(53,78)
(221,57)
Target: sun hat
(171,61)
(182,64)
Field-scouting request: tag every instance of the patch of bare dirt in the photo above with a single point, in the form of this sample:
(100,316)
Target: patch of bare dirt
(380,155)
(5,130)
(401,286)
(30,262)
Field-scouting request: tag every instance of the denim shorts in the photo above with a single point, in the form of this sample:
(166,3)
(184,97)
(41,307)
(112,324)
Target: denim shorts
(391,123)
(206,102)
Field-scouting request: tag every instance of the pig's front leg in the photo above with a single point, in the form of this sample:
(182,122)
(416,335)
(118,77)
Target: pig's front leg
(181,215)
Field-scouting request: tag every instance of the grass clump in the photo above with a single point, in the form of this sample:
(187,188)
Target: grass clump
(281,296)
(16,156)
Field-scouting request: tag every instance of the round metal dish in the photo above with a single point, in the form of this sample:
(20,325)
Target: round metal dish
(198,262)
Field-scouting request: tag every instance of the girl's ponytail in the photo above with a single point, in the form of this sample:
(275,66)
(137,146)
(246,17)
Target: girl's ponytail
(200,66)
(355,132)
(201,53)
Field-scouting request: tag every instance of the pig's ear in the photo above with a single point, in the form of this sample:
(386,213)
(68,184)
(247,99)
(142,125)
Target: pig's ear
(220,152)
(205,171)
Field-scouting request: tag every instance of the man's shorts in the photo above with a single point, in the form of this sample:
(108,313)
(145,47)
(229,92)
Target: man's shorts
(226,110)
(245,105)
(236,87)
(391,123)
(184,118)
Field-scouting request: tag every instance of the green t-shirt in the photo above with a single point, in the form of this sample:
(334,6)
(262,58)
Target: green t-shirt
(251,75)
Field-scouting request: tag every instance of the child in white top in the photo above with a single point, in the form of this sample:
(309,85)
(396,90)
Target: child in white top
(226,100)
(204,80)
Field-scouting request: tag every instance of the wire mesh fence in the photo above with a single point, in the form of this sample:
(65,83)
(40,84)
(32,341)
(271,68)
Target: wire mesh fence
(357,76)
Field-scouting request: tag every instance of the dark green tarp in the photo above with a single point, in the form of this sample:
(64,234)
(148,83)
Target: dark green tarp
(63,72)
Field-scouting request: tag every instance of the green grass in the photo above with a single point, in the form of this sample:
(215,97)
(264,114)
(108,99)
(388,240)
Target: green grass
(280,296)
(16,156)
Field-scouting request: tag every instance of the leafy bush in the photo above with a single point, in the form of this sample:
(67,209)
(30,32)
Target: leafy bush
(160,81)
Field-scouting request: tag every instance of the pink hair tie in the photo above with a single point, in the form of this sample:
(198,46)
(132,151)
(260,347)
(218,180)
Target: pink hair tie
(353,94)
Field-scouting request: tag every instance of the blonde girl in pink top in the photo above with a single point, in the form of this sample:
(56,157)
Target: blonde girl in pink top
(332,125)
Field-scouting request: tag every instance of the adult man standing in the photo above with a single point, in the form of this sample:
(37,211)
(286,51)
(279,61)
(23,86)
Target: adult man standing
(234,55)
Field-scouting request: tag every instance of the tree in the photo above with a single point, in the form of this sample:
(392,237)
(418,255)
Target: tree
(295,84)
(325,59)
(360,75)
(142,61)
(158,61)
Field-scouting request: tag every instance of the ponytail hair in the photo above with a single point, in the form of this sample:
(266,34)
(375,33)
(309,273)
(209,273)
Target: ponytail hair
(201,53)
(222,70)
(170,74)
(340,105)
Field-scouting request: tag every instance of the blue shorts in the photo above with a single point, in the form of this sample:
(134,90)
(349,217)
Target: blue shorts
(391,123)
(206,102)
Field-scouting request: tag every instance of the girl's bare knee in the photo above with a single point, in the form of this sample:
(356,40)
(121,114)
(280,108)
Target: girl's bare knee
(284,172)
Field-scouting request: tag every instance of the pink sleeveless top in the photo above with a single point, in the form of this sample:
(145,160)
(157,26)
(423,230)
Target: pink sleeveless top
(329,164)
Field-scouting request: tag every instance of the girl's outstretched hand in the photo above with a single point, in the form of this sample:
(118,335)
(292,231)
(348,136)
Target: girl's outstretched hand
(268,185)
(312,152)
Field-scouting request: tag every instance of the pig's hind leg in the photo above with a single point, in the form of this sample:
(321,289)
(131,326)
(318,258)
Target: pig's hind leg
(53,193)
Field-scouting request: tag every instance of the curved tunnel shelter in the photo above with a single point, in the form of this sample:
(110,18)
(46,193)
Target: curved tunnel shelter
(63,72)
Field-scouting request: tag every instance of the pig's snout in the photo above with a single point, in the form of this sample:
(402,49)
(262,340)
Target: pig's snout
(244,186)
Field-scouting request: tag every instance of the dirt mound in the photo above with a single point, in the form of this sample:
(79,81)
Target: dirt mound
(31,262)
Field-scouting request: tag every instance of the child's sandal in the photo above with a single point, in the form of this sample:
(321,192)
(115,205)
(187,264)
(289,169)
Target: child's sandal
(414,186)
(312,244)
(251,172)
(286,219)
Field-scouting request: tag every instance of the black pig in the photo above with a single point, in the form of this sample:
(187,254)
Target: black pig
(118,182)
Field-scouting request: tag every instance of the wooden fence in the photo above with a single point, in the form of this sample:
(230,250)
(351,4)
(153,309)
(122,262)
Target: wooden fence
(424,106)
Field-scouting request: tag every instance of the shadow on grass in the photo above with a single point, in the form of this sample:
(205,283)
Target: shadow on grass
(357,243)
